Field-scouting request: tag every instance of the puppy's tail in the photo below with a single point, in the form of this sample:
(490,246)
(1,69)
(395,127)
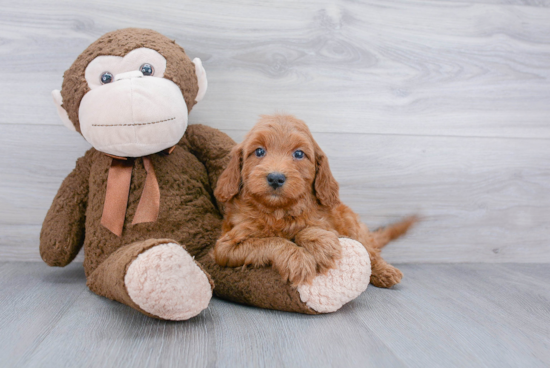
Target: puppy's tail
(386,234)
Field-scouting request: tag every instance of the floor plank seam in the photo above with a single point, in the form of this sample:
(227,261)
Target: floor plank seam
(57,318)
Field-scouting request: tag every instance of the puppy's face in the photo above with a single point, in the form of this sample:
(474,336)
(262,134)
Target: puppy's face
(277,165)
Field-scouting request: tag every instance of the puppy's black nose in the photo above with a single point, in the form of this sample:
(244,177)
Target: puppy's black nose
(276,180)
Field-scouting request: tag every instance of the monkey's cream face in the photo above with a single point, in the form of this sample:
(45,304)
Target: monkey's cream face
(131,110)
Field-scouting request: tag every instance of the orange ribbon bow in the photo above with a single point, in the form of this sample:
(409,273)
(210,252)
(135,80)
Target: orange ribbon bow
(118,189)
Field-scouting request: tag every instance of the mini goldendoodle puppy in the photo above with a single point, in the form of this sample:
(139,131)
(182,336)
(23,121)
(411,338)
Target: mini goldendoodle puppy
(282,208)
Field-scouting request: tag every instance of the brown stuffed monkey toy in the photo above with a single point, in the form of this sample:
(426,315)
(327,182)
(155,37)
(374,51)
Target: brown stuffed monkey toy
(140,201)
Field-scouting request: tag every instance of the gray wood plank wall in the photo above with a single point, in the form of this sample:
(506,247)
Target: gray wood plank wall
(432,107)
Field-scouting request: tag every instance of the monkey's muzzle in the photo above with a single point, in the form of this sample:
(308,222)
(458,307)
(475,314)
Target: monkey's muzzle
(134,116)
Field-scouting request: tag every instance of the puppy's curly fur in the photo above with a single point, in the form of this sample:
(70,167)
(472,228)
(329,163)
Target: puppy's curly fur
(294,225)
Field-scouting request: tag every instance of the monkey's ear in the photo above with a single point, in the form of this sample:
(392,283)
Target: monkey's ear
(201,79)
(58,101)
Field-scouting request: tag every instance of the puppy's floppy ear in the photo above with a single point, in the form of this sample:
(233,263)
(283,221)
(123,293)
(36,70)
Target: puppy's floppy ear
(229,182)
(326,187)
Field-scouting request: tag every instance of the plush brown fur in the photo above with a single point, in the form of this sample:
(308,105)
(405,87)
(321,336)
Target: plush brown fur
(188,212)
(295,227)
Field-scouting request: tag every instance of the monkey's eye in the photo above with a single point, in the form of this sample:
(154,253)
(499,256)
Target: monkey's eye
(147,69)
(260,152)
(298,154)
(106,78)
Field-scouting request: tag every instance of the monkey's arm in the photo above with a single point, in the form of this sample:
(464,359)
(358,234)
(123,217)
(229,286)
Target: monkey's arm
(62,232)
(211,147)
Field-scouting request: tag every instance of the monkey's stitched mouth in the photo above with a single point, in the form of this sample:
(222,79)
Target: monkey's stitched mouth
(137,124)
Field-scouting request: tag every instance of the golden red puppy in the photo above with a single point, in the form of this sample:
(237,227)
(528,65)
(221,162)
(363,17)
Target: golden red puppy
(282,208)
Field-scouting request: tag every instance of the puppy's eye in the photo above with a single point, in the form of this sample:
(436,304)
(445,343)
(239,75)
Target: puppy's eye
(147,69)
(260,152)
(106,77)
(298,154)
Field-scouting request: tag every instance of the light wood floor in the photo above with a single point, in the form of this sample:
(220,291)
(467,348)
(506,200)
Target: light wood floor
(442,315)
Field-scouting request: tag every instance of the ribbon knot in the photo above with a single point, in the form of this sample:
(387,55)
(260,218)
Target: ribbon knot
(118,189)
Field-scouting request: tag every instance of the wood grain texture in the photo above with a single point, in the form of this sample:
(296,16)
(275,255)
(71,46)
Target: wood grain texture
(413,67)
(434,107)
(33,297)
(441,315)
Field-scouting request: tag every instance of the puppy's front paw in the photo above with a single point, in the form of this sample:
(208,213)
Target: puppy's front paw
(328,250)
(296,266)
(323,245)
(385,276)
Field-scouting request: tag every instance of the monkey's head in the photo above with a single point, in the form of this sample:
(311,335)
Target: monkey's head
(130,92)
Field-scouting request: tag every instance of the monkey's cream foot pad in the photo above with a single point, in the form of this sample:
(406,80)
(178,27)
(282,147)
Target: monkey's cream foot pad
(165,281)
(328,293)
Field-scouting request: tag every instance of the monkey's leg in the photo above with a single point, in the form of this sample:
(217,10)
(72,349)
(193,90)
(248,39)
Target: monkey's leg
(156,277)
(340,285)
(263,287)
